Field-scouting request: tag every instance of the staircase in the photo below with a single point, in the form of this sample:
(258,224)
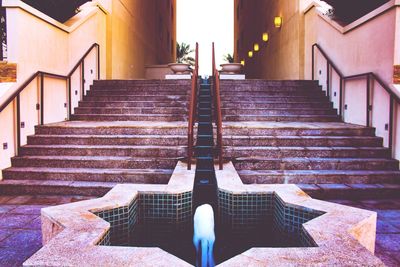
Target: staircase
(122,132)
(288,132)
(136,131)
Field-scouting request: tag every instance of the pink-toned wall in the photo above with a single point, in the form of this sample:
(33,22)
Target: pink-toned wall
(370,44)
(367,45)
(281,57)
(131,35)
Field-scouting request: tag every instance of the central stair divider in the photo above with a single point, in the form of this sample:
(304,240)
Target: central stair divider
(205,190)
(205,184)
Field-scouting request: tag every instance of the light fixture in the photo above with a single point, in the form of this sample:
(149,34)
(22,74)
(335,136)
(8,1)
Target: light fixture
(278,22)
(250,54)
(265,37)
(256,47)
(242,62)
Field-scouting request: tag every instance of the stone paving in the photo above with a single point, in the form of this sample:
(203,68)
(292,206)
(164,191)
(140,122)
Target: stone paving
(20,227)
(20,230)
(387,246)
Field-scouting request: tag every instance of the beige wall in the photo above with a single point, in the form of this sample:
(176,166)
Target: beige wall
(131,35)
(370,44)
(140,33)
(281,57)
(346,46)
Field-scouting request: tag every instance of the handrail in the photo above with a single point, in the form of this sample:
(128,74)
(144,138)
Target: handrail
(26,83)
(369,76)
(16,95)
(217,99)
(192,108)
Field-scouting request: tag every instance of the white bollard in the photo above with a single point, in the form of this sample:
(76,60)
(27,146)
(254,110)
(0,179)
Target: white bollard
(204,235)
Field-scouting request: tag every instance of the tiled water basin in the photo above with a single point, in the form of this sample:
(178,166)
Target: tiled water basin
(137,218)
(244,221)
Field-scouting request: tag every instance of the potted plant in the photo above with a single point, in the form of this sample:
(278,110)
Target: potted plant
(231,67)
(183,59)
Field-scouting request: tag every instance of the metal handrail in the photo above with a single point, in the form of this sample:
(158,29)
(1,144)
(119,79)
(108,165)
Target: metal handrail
(218,112)
(369,76)
(192,109)
(16,95)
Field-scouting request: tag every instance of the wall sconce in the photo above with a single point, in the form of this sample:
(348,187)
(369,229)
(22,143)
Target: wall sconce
(250,54)
(256,47)
(242,62)
(265,37)
(278,22)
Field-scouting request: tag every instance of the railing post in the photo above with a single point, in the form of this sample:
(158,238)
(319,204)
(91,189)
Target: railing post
(218,113)
(312,62)
(69,98)
(83,78)
(368,100)
(98,62)
(41,98)
(341,98)
(391,111)
(192,110)
(328,93)
(18,104)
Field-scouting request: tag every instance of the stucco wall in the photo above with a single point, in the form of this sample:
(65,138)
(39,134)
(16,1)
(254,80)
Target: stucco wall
(370,44)
(367,45)
(282,56)
(49,46)
(140,33)
(131,35)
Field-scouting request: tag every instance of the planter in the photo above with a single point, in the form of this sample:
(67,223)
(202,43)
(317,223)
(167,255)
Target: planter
(231,68)
(180,68)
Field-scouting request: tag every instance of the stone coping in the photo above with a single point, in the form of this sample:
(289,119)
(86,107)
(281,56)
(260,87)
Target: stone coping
(226,76)
(322,7)
(344,235)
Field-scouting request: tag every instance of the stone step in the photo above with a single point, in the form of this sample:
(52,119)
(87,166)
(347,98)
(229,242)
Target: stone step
(243,104)
(303,141)
(277,111)
(127,92)
(266,94)
(54,187)
(318,176)
(266,89)
(261,82)
(144,87)
(127,104)
(148,176)
(97,162)
(159,140)
(283,117)
(153,82)
(260,163)
(295,129)
(309,152)
(128,111)
(158,98)
(135,117)
(113,128)
(122,151)
(263,99)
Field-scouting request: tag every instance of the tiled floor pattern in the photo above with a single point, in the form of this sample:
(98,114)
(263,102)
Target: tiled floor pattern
(20,234)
